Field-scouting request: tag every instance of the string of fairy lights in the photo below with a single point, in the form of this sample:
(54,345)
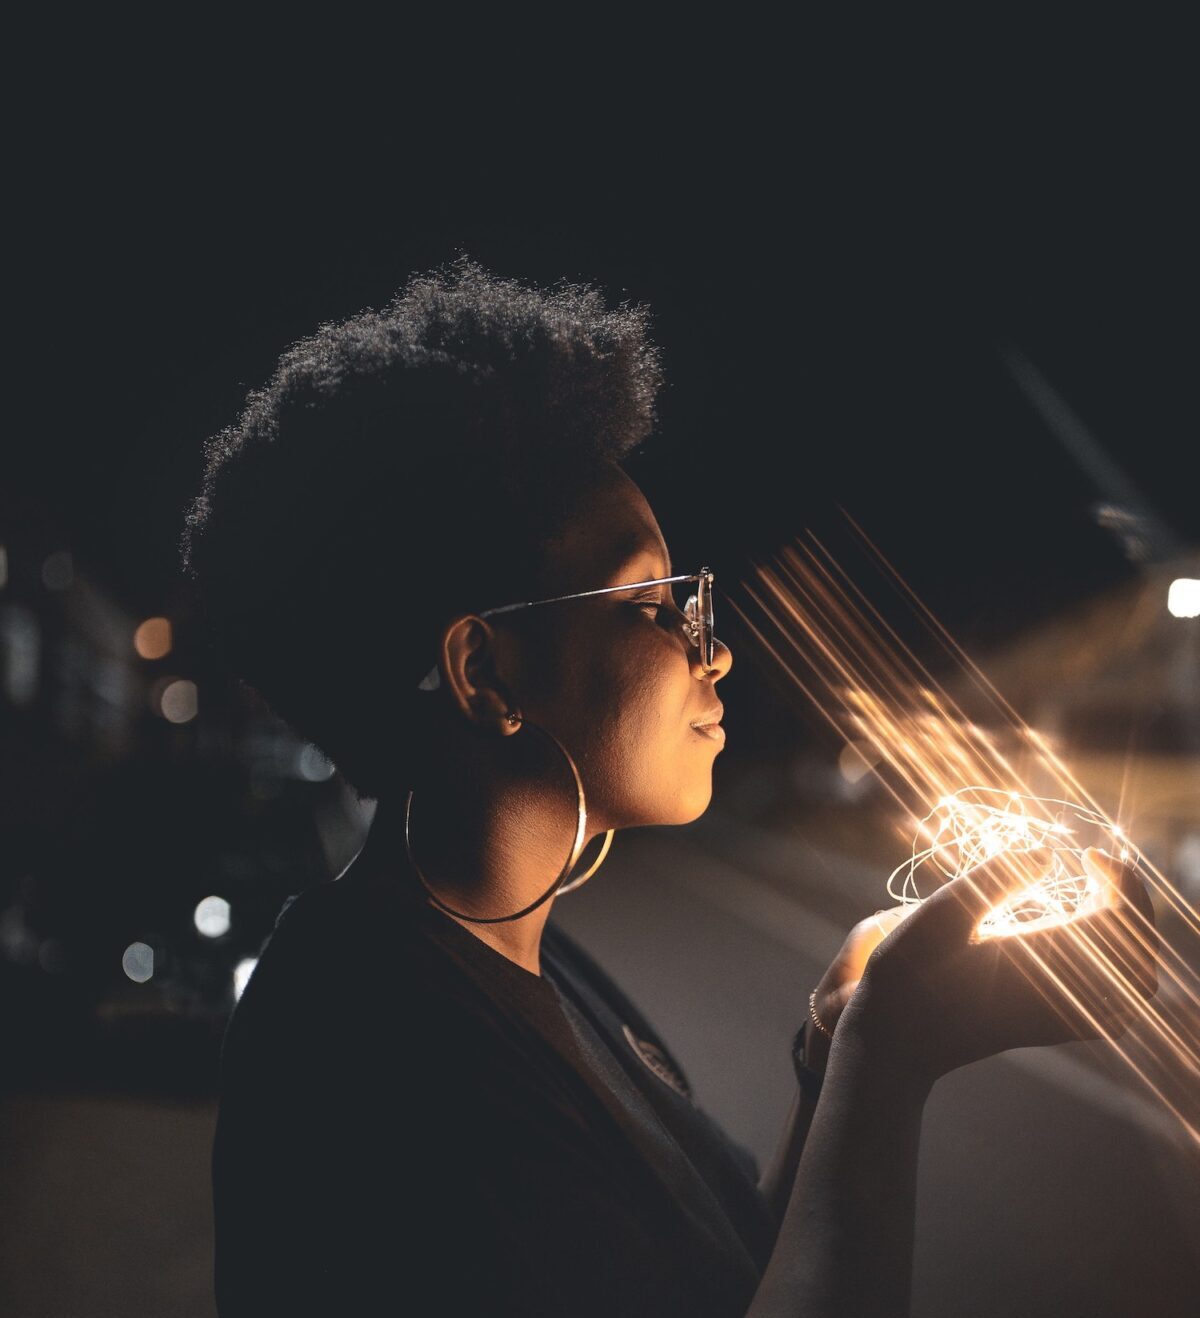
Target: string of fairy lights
(1047,837)
(969,798)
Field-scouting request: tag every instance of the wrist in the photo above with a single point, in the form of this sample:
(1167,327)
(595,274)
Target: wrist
(809,1060)
(879,1057)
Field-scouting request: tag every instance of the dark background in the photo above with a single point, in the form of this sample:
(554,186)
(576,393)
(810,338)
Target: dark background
(826,333)
(837,266)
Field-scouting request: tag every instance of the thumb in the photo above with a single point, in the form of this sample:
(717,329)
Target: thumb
(1125,889)
(974,894)
(1106,870)
(1120,879)
(867,936)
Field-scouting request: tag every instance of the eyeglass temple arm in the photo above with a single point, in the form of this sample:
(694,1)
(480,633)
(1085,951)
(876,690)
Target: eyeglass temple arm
(432,680)
(584,594)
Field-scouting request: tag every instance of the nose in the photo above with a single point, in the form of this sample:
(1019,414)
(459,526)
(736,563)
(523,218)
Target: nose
(721,664)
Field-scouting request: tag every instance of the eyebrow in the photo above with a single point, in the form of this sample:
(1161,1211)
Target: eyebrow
(633,550)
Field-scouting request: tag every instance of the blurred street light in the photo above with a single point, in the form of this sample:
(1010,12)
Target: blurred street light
(152,640)
(178,701)
(211,917)
(1183,597)
(138,962)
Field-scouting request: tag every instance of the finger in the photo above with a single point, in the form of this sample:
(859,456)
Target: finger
(1134,938)
(868,935)
(1121,880)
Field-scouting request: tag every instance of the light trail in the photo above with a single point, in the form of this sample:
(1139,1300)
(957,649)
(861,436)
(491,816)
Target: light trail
(1025,810)
(1163,886)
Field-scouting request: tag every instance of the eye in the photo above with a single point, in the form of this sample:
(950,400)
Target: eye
(652,608)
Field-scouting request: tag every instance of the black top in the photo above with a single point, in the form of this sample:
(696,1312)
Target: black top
(412,1123)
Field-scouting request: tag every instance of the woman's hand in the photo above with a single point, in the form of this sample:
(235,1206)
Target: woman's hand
(933,997)
(838,983)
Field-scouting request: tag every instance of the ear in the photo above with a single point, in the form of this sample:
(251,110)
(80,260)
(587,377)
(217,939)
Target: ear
(471,663)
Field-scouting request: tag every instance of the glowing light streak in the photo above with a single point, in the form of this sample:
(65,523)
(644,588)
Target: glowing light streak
(867,684)
(1164,889)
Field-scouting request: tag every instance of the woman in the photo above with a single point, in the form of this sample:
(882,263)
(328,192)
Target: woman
(419,545)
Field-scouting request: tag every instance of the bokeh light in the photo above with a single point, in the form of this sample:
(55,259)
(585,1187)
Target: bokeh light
(178,702)
(856,759)
(152,640)
(1183,597)
(312,766)
(212,917)
(241,974)
(138,962)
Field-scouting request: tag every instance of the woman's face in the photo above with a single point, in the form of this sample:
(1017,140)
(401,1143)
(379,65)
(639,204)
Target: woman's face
(614,677)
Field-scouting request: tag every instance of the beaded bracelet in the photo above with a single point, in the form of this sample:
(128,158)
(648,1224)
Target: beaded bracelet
(816,1020)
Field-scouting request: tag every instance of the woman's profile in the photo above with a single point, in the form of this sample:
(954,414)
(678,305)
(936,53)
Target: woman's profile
(419,545)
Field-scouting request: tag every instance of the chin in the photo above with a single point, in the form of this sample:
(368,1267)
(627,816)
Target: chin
(687,799)
(692,804)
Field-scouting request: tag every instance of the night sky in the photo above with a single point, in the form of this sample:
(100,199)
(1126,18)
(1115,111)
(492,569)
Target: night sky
(832,320)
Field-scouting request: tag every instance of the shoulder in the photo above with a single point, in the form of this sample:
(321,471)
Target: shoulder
(331,978)
(349,977)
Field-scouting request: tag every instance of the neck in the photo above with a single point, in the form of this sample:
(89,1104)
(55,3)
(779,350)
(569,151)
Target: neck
(490,861)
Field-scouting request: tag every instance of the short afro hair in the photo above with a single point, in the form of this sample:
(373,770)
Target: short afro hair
(325,546)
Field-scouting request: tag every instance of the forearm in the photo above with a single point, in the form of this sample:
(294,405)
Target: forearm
(780,1175)
(845,1244)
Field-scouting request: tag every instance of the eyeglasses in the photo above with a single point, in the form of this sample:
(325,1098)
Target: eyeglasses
(697,613)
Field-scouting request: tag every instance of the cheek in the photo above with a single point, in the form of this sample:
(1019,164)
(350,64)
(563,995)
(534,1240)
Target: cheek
(638,740)
(623,714)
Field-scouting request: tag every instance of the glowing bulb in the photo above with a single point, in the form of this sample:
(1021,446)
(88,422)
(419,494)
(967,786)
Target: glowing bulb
(1183,598)
(211,917)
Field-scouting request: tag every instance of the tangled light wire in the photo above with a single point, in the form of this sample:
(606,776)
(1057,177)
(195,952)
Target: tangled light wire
(1043,835)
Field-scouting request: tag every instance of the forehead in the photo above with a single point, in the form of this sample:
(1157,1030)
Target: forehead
(612,533)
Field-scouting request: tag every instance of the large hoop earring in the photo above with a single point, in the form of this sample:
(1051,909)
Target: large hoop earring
(560,884)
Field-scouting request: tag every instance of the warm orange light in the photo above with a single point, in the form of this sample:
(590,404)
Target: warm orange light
(1039,837)
(856,671)
(152,640)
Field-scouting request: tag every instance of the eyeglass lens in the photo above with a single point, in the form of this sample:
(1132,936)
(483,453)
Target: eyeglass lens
(698,610)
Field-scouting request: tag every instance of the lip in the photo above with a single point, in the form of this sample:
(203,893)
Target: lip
(709,725)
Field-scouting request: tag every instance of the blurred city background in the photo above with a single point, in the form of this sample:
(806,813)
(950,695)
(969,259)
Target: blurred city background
(992,378)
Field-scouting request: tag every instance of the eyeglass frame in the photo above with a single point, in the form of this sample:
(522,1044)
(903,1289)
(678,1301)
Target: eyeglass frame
(698,620)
